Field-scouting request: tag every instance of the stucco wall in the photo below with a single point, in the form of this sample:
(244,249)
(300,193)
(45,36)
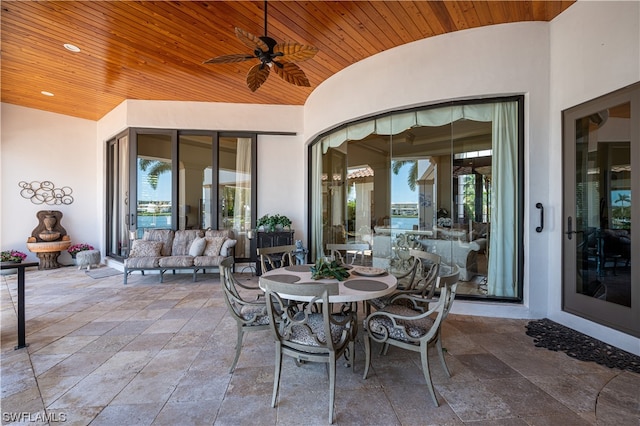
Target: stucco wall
(595,49)
(42,146)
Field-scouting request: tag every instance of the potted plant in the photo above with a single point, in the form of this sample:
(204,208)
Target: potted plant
(77,248)
(14,256)
(271,223)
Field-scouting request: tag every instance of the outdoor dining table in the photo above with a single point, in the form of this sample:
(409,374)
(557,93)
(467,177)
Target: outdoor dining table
(363,283)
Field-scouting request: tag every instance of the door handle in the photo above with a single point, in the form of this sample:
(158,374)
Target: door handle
(541,227)
(570,228)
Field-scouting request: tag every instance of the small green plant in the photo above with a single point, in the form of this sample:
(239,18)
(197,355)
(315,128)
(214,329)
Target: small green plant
(271,222)
(332,269)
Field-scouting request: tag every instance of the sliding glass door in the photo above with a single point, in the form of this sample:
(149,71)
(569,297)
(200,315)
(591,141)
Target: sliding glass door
(447,180)
(170,179)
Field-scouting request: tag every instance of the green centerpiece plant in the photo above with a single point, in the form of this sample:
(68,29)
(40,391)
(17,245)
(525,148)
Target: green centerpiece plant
(329,269)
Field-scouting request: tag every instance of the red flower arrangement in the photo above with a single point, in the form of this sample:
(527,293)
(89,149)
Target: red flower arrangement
(77,248)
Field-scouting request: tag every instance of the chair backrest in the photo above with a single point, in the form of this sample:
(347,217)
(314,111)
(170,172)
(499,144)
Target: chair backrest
(427,270)
(298,328)
(337,251)
(275,257)
(449,282)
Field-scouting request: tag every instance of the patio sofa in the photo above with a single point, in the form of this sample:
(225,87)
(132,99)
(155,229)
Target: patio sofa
(192,249)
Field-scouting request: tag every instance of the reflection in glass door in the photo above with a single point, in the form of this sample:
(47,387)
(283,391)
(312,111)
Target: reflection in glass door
(601,160)
(154,163)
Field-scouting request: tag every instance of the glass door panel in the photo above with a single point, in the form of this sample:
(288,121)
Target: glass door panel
(118,217)
(601,150)
(195,153)
(154,169)
(235,193)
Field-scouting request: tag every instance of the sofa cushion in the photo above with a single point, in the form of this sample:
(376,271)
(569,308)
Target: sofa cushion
(220,233)
(163,235)
(197,247)
(142,248)
(228,244)
(182,241)
(214,244)
(208,261)
(176,262)
(142,262)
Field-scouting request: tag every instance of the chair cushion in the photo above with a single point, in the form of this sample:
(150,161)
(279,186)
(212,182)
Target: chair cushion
(197,247)
(214,244)
(256,313)
(142,248)
(414,328)
(301,335)
(176,261)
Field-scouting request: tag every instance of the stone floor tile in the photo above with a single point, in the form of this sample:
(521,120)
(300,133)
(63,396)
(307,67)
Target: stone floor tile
(127,414)
(151,353)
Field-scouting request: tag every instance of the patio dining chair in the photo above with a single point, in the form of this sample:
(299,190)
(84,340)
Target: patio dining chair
(308,334)
(413,327)
(276,257)
(342,252)
(250,315)
(419,280)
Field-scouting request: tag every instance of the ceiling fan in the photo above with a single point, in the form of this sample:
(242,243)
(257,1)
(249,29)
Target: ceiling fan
(271,54)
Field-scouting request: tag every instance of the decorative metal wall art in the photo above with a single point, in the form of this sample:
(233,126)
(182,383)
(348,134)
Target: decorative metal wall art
(45,192)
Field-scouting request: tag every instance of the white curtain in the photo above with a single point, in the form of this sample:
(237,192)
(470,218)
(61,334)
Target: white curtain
(502,248)
(242,199)
(316,201)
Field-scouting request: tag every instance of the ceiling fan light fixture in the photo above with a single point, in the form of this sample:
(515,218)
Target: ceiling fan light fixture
(265,49)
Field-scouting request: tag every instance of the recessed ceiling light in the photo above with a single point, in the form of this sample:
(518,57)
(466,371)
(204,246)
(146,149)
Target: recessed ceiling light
(44,92)
(71,47)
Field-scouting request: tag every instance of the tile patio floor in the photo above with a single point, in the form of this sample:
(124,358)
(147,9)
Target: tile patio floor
(101,353)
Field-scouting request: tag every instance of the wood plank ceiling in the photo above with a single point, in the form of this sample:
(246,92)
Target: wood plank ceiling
(155,49)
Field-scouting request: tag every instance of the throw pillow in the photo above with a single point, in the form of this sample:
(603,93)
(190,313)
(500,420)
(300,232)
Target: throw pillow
(214,244)
(197,247)
(142,248)
(225,250)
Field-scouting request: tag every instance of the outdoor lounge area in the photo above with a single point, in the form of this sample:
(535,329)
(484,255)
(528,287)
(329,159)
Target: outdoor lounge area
(498,141)
(101,353)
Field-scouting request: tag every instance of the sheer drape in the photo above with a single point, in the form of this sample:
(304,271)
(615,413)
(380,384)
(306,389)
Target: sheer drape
(316,201)
(502,259)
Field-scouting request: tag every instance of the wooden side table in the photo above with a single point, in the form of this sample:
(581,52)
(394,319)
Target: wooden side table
(21,319)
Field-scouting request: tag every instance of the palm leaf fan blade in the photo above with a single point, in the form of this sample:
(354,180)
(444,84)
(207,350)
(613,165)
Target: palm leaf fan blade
(295,52)
(257,75)
(251,41)
(291,73)
(227,59)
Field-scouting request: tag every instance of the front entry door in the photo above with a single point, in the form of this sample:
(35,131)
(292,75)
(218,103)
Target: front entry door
(601,256)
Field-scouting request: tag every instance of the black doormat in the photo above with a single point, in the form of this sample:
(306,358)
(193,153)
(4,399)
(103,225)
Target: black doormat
(556,337)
